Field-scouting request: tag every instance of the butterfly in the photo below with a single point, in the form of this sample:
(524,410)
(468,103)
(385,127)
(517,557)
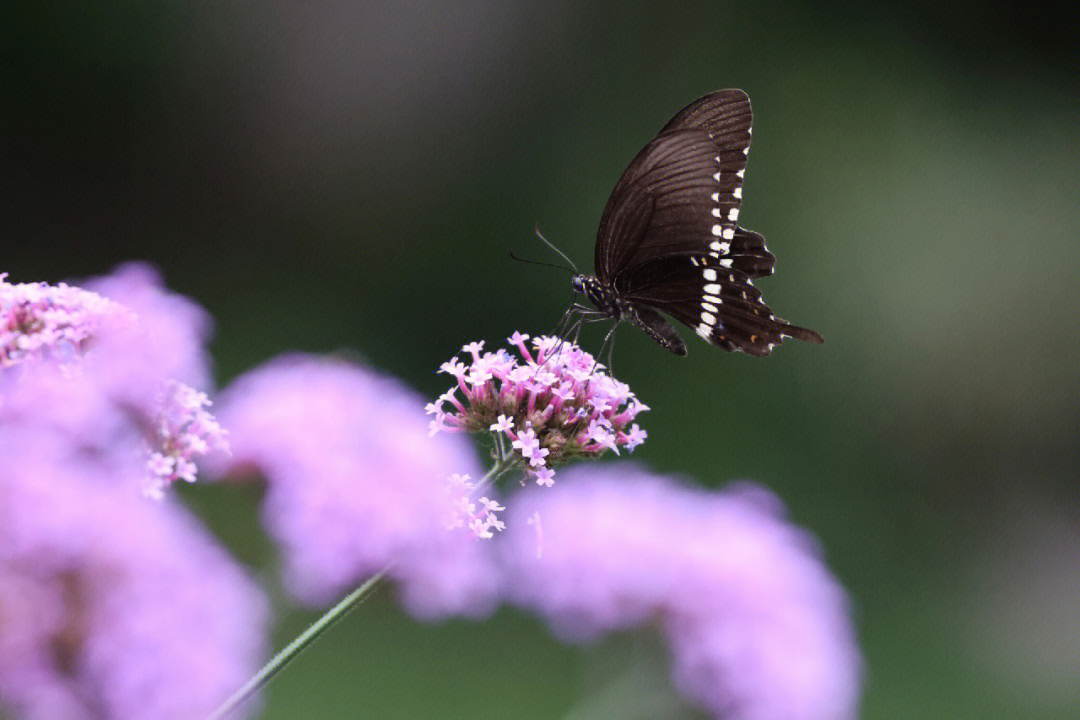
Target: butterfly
(669,241)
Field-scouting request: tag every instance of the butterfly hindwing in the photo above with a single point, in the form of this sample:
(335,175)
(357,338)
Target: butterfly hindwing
(719,303)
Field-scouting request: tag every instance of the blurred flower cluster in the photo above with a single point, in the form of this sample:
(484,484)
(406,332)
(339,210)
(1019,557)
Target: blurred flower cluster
(111,606)
(756,626)
(355,484)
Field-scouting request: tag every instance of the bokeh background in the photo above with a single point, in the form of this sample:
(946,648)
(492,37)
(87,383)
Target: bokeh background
(349,177)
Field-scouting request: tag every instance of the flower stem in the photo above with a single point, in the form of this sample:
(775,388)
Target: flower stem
(290,651)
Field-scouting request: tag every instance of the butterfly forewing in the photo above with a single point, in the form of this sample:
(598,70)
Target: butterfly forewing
(661,206)
(724,114)
(726,117)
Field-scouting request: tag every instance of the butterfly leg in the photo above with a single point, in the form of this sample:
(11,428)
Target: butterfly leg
(569,327)
(593,317)
(611,349)
(609,337)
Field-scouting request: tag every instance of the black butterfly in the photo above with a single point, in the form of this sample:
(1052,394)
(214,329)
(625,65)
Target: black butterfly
(668,239)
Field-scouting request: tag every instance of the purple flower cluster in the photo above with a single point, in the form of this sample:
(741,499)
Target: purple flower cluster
(482,521)
(43,321)
(183,429)
(355,484)
(553,404)
(757,627)
(110,606)
(96,366)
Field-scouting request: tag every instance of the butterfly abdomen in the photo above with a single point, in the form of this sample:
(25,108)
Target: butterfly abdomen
(659,329)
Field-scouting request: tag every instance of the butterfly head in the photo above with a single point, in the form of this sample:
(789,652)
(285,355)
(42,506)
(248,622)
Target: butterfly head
(603,297)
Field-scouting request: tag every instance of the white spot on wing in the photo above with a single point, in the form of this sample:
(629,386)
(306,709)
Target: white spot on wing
(726,262)
(708,306)
(713,289)
(717,230)
(729,233)
(738,192)
(740,173)
(710,274)
(708,318)
(733,214)
(720,247)
(703,330)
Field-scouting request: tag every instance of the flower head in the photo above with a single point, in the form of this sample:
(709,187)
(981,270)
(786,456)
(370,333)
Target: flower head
(552,402)
(112,606)
(757,627)
(355,483)
(78,363)
(182,429)
(42,321)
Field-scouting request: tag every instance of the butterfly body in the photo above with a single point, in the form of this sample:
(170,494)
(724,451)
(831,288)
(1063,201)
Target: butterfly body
(608,302)
(669,241)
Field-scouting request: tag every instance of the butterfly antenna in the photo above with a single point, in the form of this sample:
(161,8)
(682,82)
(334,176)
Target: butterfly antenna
(550,245)
(537,262)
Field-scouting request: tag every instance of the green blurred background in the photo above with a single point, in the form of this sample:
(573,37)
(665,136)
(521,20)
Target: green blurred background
(344,176)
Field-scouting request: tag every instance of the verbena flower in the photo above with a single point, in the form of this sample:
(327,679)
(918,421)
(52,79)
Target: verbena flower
(479,516)
(355,483)
(42,321)
(182,430)
(111,606)
(757,627)
(550,403)
(103,372)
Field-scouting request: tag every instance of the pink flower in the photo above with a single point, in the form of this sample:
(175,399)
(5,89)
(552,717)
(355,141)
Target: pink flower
(354,483)
(41,321)
(95,370)
(504,424)
(545,476)
(112,606)
(757,627)
(182,429)
(554,402)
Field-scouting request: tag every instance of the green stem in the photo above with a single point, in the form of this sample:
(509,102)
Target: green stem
(290,651)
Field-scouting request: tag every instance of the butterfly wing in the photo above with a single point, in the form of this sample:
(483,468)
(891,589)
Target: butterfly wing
(681,194)
(656,207)
(719,302)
